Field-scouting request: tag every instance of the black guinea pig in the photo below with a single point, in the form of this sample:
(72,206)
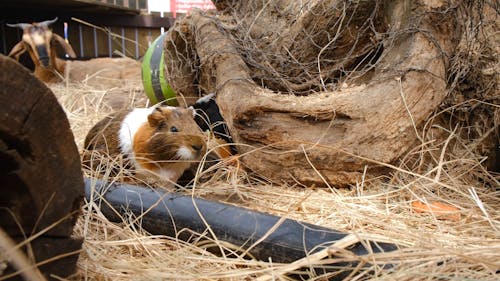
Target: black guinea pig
(208,118)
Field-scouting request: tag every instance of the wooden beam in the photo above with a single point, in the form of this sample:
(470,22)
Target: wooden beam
(70,5)
(115,20)
(149,21)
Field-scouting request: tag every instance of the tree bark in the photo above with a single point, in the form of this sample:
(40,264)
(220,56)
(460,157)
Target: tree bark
(329,137)
(38,153)
(40,175)
(178,59)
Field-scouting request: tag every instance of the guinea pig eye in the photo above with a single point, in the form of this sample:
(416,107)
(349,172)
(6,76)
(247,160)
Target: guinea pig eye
(173,129)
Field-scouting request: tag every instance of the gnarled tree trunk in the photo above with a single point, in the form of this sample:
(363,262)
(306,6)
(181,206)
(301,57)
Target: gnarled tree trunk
(348,117)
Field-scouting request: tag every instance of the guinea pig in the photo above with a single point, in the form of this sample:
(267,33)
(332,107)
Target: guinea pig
(209,118)
(161,141)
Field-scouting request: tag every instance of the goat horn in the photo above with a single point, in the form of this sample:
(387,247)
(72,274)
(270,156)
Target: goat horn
(20,25)
(48,22)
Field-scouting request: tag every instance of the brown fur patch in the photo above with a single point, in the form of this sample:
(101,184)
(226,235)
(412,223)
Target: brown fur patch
(140,144)
(103,139)
(157,143)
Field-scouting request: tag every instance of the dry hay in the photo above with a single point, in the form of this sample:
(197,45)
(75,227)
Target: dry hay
(447,166)
(432,248)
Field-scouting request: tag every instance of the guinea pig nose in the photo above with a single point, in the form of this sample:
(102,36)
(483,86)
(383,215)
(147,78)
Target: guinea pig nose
(197,147)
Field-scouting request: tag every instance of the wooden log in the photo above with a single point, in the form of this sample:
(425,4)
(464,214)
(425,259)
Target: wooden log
(40,175)
(329,137)
(45,248)
(178,67)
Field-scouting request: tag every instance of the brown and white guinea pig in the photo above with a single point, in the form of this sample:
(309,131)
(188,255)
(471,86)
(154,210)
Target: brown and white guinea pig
(160,141)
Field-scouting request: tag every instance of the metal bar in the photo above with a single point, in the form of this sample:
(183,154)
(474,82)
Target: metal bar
(123,41)
(136,43)
(110,43)
(165,213)
(96,47)
(80,37)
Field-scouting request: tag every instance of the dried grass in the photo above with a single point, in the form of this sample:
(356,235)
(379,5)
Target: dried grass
(446,167)
(379,208)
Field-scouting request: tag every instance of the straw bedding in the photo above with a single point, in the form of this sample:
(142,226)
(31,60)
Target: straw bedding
(431,248)
(449,166)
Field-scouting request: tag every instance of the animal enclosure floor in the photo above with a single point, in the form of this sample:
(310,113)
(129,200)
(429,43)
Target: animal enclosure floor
(431,247)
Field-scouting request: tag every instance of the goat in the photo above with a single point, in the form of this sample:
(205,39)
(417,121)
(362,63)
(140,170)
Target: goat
(39,41)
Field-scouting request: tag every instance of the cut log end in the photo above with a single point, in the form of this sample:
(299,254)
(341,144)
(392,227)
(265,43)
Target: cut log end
(40,175)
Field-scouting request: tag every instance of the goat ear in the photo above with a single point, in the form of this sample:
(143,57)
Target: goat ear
(17,50)
(66,46)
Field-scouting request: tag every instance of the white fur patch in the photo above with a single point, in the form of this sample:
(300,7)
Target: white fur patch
(165,106)
(206,98)
(167,174)
(131,123)
(185,153)
(192,110)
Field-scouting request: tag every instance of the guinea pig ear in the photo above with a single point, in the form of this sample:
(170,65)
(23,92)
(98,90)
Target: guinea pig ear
(157,116)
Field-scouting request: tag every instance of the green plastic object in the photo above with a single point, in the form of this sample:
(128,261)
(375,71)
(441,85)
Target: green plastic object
(153,78)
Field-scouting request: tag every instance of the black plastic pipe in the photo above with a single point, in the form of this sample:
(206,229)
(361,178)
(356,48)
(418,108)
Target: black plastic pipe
(168,213)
